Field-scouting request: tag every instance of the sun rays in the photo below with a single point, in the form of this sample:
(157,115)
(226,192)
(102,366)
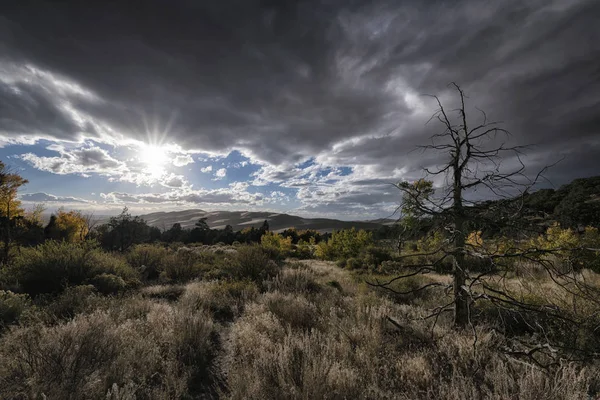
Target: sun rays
(155,159)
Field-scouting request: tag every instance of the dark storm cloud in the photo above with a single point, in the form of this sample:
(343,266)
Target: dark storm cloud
(284,80)
(29,110)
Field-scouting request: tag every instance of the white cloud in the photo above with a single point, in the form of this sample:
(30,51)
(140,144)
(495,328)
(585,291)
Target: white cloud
(50,198)
(82,161)
(182,160)
(220,174)
(233,196)
(206,169)
(174,181)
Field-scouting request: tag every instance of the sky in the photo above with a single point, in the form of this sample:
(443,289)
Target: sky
(312,107)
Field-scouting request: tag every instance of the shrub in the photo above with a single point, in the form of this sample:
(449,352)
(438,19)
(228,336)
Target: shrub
(115,264)
(353,263)
(253,263)
(303,250)
(161,353)
(301,281)
(277,243)
(344,244)
(182,267)
(335,284)
(12,305)
(148,259)
(52,266)
(72,301)
(168,292)
(404,290)
(373,256)
(292,310)
(108,283)
(224,300)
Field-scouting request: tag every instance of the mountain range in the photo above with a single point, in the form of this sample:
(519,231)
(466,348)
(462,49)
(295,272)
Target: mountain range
(246,219)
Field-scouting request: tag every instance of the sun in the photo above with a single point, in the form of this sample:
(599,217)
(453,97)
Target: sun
(155,159)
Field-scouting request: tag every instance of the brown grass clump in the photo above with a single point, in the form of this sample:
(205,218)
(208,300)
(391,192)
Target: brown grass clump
(152,353)
(224,300)
(302,281)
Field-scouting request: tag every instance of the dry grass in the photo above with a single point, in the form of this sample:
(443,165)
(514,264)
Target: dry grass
(152,349)
(290,336)
(334,346)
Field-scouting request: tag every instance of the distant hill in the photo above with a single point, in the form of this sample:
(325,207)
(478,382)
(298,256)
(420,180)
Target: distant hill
(574,204)
(245,219)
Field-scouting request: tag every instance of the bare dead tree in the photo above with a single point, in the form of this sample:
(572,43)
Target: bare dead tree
(475,158)
(90,222)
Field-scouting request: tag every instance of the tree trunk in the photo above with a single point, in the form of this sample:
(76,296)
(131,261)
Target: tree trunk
(6,234)
(461,316)
(461,298)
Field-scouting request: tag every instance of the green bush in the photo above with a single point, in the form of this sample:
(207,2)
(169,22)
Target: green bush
(302,250)
(185,265)
(12,305)
(148,259)
(344,244)
(53,266)
(353,263)
(373,256)
(108,283)
(74,300)
(253,263)
(115,264)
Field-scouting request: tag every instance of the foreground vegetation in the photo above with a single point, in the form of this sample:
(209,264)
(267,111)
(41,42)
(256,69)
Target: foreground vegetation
(241,322)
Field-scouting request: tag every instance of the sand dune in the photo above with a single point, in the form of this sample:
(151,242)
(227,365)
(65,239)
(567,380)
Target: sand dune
(245,219)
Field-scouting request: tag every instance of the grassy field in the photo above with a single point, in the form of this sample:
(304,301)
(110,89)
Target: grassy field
(305,330)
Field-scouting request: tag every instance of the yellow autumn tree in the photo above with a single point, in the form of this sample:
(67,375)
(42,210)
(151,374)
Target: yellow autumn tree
(10,183)
(72,225)
(276,241)
(10,207)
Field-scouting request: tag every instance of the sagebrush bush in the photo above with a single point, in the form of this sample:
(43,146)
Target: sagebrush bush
(292,310)
(353,263)
(182,267)
(301,281)
(72,301)
(155,354)
(12,305)
(253,263)
(149,259)
(52,266)
(108,283)
(224,300)
(168,292)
